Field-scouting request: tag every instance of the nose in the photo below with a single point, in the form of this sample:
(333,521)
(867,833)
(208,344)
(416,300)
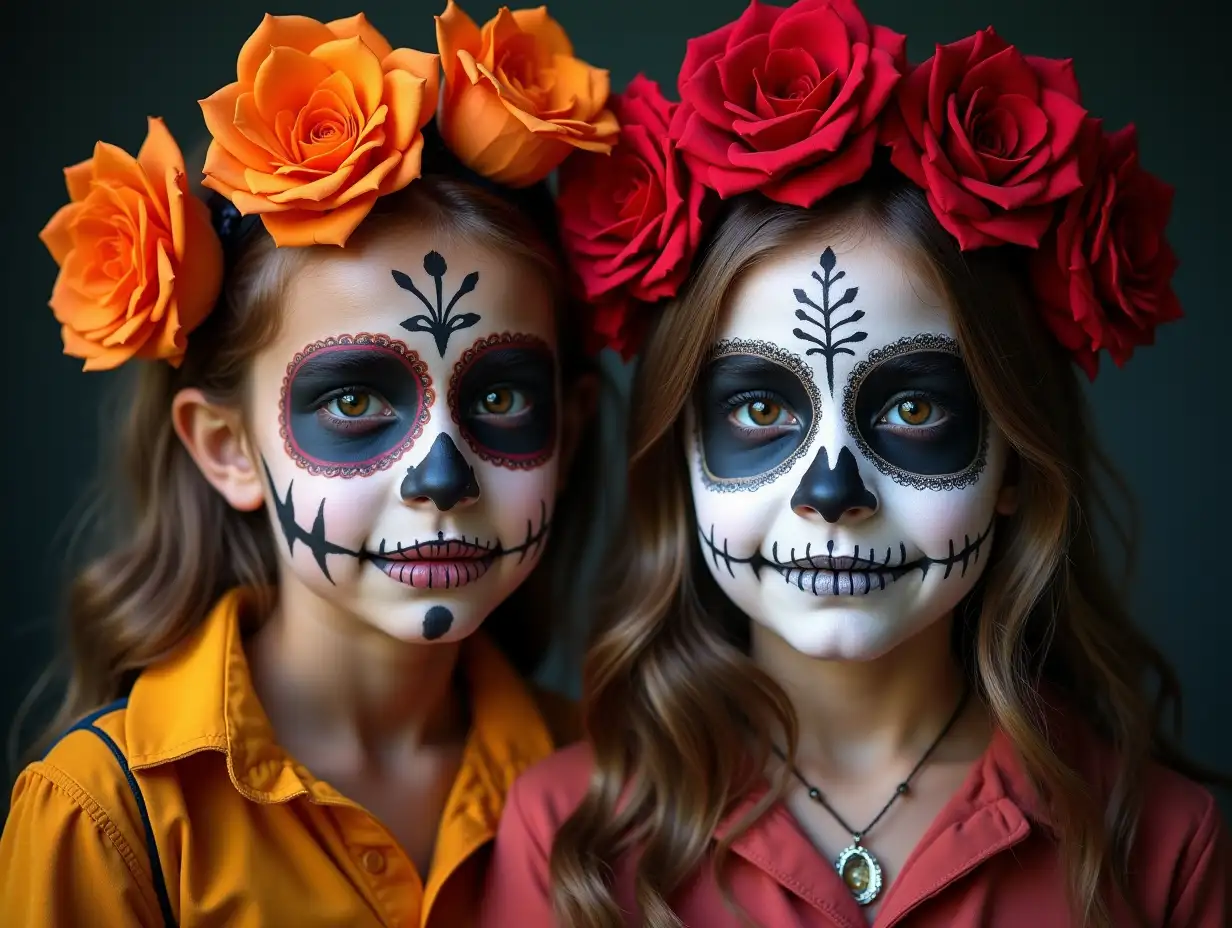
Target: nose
(836,492)
(443,477)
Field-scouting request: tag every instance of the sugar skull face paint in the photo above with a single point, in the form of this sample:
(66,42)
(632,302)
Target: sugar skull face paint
(412,471)
(366,424)
(511,424)
(845,478)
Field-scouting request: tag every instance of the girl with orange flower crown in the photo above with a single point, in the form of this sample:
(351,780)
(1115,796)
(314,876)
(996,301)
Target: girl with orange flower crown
(339,463)
(866,664)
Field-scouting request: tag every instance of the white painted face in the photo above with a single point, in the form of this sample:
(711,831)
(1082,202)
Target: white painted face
(844,475)
(407,419)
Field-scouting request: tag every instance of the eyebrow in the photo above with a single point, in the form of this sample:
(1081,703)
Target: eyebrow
(745,362)
(924,363)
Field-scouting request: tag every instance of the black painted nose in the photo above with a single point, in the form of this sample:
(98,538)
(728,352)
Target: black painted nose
(443,476)
(832,492)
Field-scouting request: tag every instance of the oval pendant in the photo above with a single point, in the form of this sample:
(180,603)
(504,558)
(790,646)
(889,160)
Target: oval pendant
(860,872)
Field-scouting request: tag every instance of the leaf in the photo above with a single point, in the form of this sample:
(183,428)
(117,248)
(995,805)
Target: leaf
(800,333)
(857,337)
(418,324)
(463,321)
(405,282)
(803,297)
(468,284)
(828,260)
(435,264)
(845,298)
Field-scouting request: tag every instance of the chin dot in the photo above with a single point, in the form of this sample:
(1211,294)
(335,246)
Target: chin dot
(437,622)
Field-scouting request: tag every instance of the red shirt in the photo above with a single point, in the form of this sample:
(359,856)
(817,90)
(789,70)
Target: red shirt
(987,859)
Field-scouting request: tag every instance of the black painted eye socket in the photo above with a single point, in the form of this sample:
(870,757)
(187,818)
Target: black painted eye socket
(353,405)
(755,406)
(913,410)
(503,397)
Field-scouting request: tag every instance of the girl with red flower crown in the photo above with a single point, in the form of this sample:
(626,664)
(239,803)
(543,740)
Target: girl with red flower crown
(340,463)
(865,663)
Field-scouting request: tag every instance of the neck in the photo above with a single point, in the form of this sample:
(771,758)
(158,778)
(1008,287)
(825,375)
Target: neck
(334,686)
(857,716)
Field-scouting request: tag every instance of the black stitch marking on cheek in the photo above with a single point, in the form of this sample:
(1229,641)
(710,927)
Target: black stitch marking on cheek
(438,323)
(795,364)
(437,622)
(827,346)
(854,575)
(925,341)
(313,539)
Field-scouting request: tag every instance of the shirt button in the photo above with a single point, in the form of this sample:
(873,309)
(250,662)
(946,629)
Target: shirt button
(373,861)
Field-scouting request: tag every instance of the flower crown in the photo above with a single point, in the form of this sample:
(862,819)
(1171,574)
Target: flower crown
(322,120)
(794,102)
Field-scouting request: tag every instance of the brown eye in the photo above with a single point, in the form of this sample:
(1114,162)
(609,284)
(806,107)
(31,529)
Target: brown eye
(764,413)
(353,405)
(498,401)
(915,412)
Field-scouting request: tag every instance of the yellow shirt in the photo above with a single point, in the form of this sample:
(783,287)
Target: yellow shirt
(244,835)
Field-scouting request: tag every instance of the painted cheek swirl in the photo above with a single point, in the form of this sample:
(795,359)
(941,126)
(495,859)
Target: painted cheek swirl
(353,405)
(912,410)
(503,396)
(756,407)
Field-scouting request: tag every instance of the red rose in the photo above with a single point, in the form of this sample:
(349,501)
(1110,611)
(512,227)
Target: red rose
(786,101)
(1104,275)
(631,222)
(992,136)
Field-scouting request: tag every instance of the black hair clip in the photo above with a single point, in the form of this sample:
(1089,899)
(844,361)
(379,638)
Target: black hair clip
(231,226)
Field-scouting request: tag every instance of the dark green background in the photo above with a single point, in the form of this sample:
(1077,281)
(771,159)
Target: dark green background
(78,71)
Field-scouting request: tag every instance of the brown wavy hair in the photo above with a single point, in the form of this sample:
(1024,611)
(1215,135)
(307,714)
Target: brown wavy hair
(172,545)
(670,691)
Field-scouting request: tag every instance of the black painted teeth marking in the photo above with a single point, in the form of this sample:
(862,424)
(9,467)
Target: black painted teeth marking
(865,574)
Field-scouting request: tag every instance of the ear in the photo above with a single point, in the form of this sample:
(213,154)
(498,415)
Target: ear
(1007,496)
(215,437)
(580,400)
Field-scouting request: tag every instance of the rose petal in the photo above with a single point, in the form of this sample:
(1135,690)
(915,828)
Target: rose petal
(549,37)
(354,59)
(423,66)
(57,235)
(78,179)
(806,187)
(219,110)
(358,26)
(298,228)
(828,43)
(455,31)
(284,82)
(296,32)
(1005,72)
(757,19)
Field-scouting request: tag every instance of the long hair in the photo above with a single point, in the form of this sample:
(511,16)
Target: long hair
(671,693)
(171,543)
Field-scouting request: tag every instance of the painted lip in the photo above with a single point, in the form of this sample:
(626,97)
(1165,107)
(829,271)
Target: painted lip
(439,564)
(434,575)
(827,562)
(446,550)
(827,581)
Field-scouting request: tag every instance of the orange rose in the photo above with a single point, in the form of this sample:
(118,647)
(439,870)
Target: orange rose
(516,100)
(140,265)
(324,118)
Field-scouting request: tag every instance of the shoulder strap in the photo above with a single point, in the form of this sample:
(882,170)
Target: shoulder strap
(160,884)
